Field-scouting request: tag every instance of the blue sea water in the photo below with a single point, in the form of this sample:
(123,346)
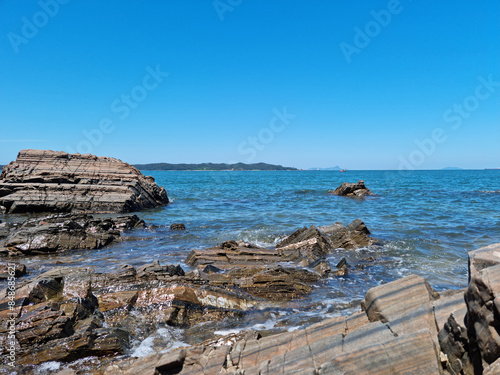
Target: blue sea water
(425,221)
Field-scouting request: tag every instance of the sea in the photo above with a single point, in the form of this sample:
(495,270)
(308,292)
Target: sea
(425,223)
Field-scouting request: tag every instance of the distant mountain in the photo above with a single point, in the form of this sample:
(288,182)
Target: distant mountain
(212,167)
(336,168)
(452,169)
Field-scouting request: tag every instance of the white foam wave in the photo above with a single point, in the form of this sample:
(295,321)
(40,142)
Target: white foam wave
(166,339)
(48,366)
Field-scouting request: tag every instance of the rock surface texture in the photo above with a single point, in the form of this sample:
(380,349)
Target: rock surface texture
(357,189)
(405,328)
(51,181)
(279,273)
(63,232)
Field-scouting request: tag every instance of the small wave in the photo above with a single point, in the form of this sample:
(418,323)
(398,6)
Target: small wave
(165,338)
(225,332)
(489,191)
(45,367)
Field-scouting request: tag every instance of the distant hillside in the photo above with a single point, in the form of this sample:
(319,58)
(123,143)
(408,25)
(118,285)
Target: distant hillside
(212,167)
(336,168)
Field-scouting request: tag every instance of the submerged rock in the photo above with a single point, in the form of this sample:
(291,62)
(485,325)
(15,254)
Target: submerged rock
(285,272)
(357,189)
(65,232)
(50,181)
(177,226)
(253,269)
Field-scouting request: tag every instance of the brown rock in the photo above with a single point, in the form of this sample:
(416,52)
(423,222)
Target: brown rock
(353,236)
(177,226)
(66,232)
(49,181)
(12,270)
(357,189)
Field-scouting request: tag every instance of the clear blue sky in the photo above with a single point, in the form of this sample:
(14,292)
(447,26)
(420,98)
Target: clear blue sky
(360,82)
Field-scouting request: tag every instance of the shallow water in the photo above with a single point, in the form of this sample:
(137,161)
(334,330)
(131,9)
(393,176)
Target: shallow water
(426,222)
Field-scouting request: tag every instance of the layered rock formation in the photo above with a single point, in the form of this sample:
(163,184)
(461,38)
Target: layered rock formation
(279,273)
(63,232)
(69,313)
(405,328)
(357,189)
(50,181)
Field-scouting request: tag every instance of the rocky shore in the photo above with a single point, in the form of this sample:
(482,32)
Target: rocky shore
(403,327)
(88,321)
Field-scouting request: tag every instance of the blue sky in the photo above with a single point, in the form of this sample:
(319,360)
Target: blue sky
(363,85)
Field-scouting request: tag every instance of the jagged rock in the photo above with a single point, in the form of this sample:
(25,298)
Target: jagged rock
(50,181)
(350,237)
(4,230)
(454,342)
(177,226)
(257,270)
(66,232)
(342,345)
(304,246)
(51,328)
(357,189)
(156,268)
(483,311)
(12,269)
(69,313)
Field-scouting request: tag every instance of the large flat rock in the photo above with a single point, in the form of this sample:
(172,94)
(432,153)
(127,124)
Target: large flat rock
(52,181)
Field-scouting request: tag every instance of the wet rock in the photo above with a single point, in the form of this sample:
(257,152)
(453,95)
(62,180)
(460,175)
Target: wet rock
(258,271)
(357,189)
(12,269)
(341,268)
(322,267)
(177,226)
(304,246)
(5,230)
(156,269)
(49,181)
(338,345)
(353,236)
(66,232)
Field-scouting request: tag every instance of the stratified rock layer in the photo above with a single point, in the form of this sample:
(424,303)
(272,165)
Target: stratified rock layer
(63,232)
(51,181)
(406,328)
